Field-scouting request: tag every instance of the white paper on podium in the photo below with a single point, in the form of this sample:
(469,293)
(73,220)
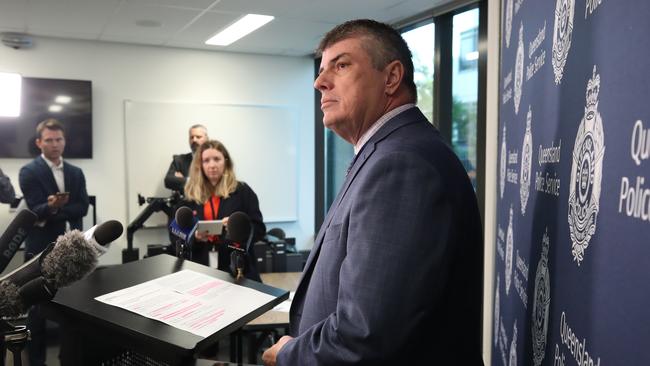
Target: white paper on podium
(189,300)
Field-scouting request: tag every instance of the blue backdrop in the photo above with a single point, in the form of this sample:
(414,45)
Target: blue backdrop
(573,226)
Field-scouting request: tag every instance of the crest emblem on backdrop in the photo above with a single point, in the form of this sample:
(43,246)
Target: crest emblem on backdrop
(519,69)
(526,163)
(512,359)
(503,162)
(541,304)
(586,173)
(496,311)
(509,253)
(508,25)
(562,30)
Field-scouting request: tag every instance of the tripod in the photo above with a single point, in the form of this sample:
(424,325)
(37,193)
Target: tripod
(14,338)
(154,204)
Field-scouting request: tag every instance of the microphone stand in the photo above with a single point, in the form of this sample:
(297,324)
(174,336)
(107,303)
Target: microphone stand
(182,250)
(14,338)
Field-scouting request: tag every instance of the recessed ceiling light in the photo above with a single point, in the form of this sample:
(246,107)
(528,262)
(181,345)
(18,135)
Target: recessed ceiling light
(55,108)
(10,94)
(239,29)
(148,23)
(62,99)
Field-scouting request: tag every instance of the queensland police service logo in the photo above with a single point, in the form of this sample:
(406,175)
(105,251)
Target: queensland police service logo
(509,253)
(562,30)
(586,173)
(508,21)
(503,162)
(496,312)
(519,68)
(512,359)
(541,303)
(526,163)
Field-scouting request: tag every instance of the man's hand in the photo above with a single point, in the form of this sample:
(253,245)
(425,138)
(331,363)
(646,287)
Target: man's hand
(270,354)
(56,201)
(178,175)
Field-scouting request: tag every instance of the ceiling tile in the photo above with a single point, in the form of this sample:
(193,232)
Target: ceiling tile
(47,17)
(189,4)
(172,20)
(12,15)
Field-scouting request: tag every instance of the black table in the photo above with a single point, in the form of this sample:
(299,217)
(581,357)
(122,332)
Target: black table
(76,308)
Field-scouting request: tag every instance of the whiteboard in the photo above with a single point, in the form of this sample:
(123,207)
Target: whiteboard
(262,141)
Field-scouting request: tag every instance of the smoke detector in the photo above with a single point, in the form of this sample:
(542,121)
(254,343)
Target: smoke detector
(16,40)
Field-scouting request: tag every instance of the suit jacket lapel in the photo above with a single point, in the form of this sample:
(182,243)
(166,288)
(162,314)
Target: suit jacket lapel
(407,117)
(46,175)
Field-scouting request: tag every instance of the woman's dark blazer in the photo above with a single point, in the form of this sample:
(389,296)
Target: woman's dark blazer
(242,199)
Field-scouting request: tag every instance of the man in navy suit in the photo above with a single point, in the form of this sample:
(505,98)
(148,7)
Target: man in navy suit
(56,191)
(395,274)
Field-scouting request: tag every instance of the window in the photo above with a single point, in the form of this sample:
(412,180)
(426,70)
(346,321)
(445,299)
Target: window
(420,40)
(465,89)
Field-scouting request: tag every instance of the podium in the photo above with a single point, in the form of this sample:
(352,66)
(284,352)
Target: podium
(117,334)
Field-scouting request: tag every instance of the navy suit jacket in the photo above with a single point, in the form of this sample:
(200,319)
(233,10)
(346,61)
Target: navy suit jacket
(395,274)
(37,183)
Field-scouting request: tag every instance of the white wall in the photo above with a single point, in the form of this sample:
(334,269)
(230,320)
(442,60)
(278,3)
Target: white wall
(144,73)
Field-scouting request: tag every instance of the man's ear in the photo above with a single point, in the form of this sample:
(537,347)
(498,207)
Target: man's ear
(37,142)
(394,75)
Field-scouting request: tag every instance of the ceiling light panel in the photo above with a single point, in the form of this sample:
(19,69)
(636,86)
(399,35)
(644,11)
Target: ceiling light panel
(239,29)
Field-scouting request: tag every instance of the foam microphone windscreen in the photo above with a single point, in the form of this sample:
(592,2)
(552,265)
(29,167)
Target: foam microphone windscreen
(72,258)
(15,300)
(10,304)
(102,233)
(239,228)
(184,217)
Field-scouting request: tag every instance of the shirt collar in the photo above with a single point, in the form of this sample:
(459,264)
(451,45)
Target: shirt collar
(51,164)
(377,125)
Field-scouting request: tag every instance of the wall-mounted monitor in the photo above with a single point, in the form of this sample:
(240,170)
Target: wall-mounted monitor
(69,101)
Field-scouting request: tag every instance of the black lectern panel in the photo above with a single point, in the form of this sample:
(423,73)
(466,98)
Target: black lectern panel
(76,306)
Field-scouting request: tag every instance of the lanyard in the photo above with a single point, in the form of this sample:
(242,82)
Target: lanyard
(211,208)
(210,212)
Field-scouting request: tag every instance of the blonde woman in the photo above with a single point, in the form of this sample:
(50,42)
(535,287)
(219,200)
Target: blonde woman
(213,193)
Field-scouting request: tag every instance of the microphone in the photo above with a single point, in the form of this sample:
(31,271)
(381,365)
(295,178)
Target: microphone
(14,235)
(15,300)
(240,231)
(182,227)
(72,257)
(240,234)
(62,260)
